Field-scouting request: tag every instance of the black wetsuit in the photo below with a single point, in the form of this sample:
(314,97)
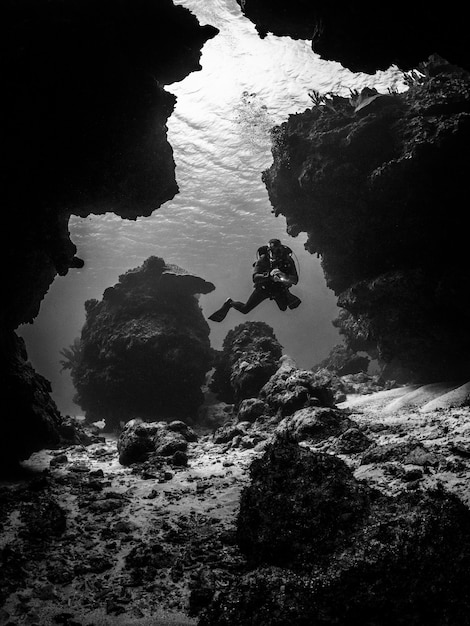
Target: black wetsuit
(266,287)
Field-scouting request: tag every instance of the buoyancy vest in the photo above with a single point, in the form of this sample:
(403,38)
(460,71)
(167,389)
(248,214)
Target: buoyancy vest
(285,263)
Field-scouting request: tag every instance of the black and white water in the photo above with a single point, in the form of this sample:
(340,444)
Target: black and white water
(219,132)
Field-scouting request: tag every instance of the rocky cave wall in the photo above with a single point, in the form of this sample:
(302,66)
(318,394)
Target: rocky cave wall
(378,181)
(144,350)
(365,37)
(379,184)
(84,132)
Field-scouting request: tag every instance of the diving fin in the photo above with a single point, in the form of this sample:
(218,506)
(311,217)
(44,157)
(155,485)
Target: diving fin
(293,301)
(221,313)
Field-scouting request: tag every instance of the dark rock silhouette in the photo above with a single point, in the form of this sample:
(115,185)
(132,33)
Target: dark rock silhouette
(85,133)
(363,38)
(368,179)
(250,356)
(31,420)
(291,389)
(324,548)
(144,349)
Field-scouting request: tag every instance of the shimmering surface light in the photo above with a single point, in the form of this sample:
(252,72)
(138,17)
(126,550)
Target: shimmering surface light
(219,132)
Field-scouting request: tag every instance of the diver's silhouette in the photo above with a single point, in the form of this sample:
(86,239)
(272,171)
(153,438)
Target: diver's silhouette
(274,272)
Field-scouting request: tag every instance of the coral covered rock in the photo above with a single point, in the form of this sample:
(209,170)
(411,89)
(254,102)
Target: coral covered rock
(298,505)
(315,424)
(144,349)
(138,440)
(291,389)
(378,182)
(326,549)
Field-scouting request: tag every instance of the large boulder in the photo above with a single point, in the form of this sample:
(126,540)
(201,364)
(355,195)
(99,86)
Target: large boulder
(326,549)
(303,398)
(250,356)
(298,505)
(361,37)
(144,349)
(315,424)
(378,181)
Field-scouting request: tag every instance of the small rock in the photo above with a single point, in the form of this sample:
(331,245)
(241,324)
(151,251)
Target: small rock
(179,458)
(79,468)
(60,459)
(98,473)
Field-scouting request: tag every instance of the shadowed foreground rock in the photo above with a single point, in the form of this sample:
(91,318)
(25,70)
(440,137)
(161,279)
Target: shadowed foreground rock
(330,550)
(298,507)
(378,181)
(144,349)
(31,419)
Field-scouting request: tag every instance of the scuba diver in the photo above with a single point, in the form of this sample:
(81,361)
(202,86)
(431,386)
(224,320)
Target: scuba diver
(274,272)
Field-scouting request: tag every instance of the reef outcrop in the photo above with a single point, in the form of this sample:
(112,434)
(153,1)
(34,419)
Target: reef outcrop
(363,38)
(250,355)
(86,113)
(325,548)
(144,350)
(378,181)
(294,403)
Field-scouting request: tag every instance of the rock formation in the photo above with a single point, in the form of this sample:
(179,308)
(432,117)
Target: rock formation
(139,440)
(324,548)
(250,356)
(293,403)
(378,181)
(84,132)
(30,418)
(365,37)
(144,349)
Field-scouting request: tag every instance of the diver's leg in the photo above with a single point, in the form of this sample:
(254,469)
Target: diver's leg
(256,298)
(293,301)
(281,300)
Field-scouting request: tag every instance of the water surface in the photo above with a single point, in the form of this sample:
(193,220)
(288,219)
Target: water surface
(219,132)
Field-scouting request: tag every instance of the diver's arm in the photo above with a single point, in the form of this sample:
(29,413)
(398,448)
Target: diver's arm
(261,272)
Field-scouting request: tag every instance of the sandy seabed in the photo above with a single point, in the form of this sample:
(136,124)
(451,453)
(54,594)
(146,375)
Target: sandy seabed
(133,545)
